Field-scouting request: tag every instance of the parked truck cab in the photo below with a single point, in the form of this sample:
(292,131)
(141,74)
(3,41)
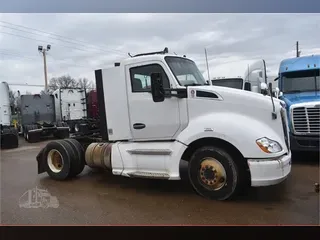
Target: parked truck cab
(299,85)
(152,118)
(38,120)
(250,75)
(8,133)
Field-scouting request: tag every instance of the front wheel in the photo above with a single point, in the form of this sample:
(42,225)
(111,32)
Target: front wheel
(214,174)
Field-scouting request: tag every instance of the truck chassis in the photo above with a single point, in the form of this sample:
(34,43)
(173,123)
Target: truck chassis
(35,132)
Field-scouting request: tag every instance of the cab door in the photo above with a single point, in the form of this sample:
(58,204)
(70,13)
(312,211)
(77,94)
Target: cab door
(150,120)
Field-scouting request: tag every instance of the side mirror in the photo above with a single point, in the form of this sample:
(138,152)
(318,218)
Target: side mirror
(247,86)
(157,89)
(277,92)
(280,94)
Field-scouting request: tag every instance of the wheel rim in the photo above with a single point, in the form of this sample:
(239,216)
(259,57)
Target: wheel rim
(212,174)
(27,136)
(55,161)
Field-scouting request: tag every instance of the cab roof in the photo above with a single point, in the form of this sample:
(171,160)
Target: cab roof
(300,63)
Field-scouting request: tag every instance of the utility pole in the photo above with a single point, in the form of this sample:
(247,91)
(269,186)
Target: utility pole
(43,50)
(297,49)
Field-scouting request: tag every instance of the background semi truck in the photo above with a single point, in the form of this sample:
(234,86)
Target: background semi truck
(148,131)
(37,118)
(71,107)
(299,84)
(250,75)
(9,134)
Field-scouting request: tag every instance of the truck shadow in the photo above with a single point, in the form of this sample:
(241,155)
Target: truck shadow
(306,158)
(183,188)
(100,180)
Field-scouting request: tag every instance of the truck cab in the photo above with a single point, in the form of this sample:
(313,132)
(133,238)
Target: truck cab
(250,75)
(298,87)
(8,133)
(157,110)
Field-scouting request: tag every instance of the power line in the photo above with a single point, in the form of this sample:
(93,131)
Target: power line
(42,41)
(33,58)
(16,55)
(86,44)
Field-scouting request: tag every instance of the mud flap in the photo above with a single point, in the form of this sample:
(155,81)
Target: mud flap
(41,161)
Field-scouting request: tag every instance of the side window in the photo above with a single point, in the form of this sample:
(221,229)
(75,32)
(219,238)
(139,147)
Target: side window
(140,77)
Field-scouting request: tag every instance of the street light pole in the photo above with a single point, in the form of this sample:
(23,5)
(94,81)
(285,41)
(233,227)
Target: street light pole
(43,51)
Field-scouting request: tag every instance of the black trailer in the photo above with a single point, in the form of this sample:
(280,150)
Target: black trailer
(37,118)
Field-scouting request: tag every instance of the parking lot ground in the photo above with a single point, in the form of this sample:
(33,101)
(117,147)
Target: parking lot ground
(101,198)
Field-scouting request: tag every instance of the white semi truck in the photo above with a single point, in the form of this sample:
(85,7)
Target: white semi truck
(70,106)
(250,75)
(231,139)
(9,136)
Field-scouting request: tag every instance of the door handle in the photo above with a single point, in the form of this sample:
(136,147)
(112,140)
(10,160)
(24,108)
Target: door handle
(139,126)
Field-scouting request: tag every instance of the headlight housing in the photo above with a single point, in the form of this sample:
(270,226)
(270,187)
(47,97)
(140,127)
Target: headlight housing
(268,146)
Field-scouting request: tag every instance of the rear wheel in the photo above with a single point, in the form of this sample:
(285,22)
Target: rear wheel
(214,174)
(25,129)
(79,163)
(32,137)
(58,157)
(63,159)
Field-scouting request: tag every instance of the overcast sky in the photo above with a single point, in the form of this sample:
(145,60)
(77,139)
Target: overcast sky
(84,42)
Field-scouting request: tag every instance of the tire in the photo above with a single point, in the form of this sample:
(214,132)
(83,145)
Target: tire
(9,138)
(206,182)
(25,130)
(64,155)
(78,164)
(32,137)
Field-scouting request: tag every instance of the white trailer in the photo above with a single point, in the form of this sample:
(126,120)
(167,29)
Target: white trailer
(70,106)
(231,139)
(250,75)
(9,134)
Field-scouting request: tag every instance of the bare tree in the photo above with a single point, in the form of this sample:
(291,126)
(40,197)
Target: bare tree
(43,92)
(61,82)
(85,83)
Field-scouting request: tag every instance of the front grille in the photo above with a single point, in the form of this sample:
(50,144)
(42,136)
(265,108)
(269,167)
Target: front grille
(284,126)
(306,120)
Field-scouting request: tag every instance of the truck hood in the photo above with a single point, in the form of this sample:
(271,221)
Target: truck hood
(238,95)
(293,98)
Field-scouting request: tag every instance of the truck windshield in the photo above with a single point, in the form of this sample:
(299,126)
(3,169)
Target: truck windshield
(228,82)
(185,71)
(301,81)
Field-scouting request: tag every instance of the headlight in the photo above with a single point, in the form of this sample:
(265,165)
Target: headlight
(268,146)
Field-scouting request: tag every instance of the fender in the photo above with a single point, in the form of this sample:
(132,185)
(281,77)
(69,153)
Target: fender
(242,133)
